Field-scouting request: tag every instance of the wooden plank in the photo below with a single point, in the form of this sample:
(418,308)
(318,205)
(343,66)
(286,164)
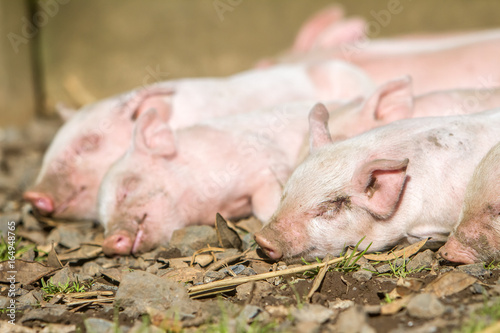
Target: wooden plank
(17,98)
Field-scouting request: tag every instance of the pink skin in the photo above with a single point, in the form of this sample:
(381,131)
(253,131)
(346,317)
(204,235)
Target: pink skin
(328,29)
(233,165)
(93,138)
(328,32)
(426,58)
(396,183)
(476,237)
(474,65)
(395,100)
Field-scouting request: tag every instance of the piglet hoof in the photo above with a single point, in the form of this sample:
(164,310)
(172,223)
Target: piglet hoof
(42,202)
(271,250)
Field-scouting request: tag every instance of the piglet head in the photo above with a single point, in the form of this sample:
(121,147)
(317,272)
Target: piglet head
(333,199)
(84,149)
(134,205)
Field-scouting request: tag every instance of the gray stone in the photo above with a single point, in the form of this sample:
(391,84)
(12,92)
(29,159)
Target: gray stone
(62,277)
(236,269)
(476,288)
(312,313)
(190,239)
(259,288)
(420,261)
(5,219)
(30,299)
(226,253)
(433,326)
(5,326)
(153,269)
(305,327)
(249,313)
(29,221)
(353,320)
(211,276)
(425,306)
(248,272)
(98,325)
(476,270)
(102,286)
(46,315)
(4,301)
(139,290)
(68,236)
(139,327)
(362,275)
(340,304)
(91,269)
(57,328)
(385,268)
(28,255)
(247,241)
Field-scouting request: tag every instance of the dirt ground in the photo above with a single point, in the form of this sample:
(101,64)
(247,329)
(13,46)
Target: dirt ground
(416,293)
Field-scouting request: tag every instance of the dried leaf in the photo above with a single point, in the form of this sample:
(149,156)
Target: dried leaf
(250,225)
(178,262)
(405,253)
(25,272)
(204,259)
(53,259)
(186,274)
(226,233)
(450,283)
(411,284)
(395,306)
(319,278)
(84,251)
(114,274)
(394,294)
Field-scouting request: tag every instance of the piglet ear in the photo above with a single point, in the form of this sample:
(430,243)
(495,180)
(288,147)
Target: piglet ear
(391,101)
(153,135)
(378,185)
(319,134)
(159,98)
(313,27)
(65,112)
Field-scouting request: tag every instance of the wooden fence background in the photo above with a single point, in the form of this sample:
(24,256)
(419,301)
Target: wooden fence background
(78,51)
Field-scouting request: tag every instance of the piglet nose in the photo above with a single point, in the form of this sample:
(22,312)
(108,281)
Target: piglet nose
(41,201)
(117,244)
(270,249)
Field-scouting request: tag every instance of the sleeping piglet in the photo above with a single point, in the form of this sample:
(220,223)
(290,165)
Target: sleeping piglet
(397,183)
(476,237)
(93,138)
(234,165)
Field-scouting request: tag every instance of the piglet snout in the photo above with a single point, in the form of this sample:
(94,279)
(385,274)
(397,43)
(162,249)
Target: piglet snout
(117,244)
(41,201)
(454,251)
(269,248)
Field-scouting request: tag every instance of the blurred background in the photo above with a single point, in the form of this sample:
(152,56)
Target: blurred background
(77,51)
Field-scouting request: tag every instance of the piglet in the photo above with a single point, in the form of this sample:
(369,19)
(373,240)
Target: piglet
(233,165)
(397,183)
(93,138)
(476,237)
(395,100)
